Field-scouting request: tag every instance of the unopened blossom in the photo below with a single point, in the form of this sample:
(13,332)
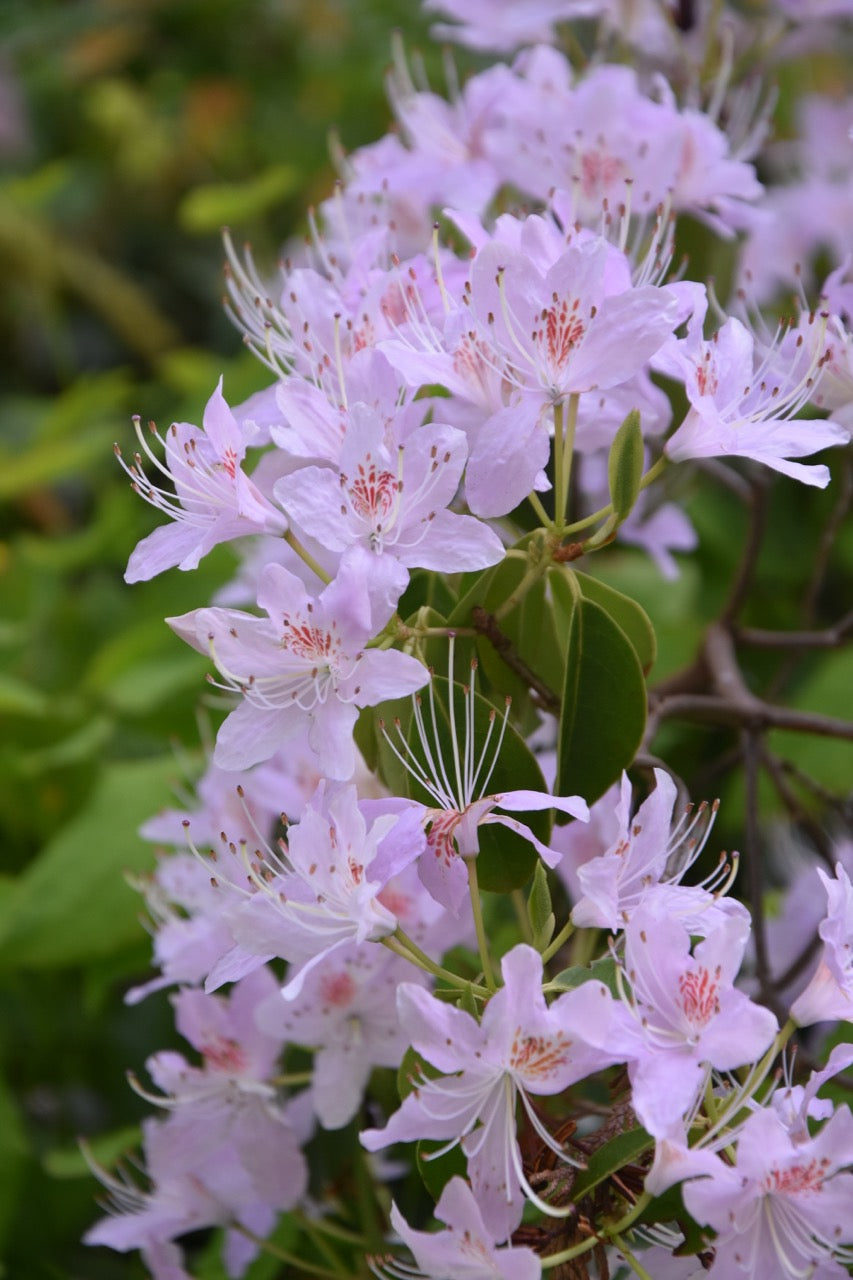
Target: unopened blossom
(522,1046)
(213,500)
(829,994)
(465,1251)
(684,1015)
(783,1211)
(306,665)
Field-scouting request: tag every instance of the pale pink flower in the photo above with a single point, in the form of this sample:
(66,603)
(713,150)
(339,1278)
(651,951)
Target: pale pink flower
(829,994)
(465,1251)
(522,1046)
(683,1015)
(306,665)
(213,501)
(392,500)
(784,1210)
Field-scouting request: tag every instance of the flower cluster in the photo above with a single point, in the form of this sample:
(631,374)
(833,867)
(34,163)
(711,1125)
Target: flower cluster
(475,359)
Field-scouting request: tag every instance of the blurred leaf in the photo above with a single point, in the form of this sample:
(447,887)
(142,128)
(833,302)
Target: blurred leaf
(106,1149)
(13,1150)
(81,745)
(625,1148)
(826,690)
(72,904)
(603,970)
(143,667)
(207,208)
(22,699)
(604,704)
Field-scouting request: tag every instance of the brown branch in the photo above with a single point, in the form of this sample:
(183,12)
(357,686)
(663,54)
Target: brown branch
(755,716)
(831,638)
(486,625)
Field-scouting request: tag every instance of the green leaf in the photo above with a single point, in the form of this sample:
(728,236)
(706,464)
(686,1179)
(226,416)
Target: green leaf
(625,1148)
(72,903)
(18,698)
(603,970)
(624,611)
(604,704)
(14,1150)
(106,1150)
(625,465)
(437,1173)
(208,207)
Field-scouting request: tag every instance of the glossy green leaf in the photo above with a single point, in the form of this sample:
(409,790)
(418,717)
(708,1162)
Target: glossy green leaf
(629,615)
(437,1172)
(539,911)
(625,465)
(72,903)
(625,1148)
(604,704)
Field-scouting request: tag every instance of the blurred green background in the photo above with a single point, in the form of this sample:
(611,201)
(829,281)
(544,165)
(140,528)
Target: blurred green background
(130,132)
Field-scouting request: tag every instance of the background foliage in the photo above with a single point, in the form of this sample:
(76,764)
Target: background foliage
(130,131)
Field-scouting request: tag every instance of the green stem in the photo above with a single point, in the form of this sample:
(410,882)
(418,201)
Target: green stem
(322,1246)
(570,427)
(477,908)
(603,512)
(306,556)
(284,1255)
(402,945)
(522,916)
(293,1078)
(561,938)
(607,1232)
(559,491)
(532,576)
(332,1229)
(533,499)
(635,1266)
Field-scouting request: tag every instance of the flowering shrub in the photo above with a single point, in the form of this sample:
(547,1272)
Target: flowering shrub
(440,831)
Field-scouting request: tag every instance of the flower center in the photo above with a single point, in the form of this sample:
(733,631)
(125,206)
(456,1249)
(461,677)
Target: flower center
(538,1056)
(699,999)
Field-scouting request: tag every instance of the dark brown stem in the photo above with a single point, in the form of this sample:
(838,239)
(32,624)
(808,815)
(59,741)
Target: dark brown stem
(486,625)
(831,638)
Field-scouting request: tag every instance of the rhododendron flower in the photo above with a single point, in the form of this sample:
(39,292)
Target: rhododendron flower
(322,890)
(521,1046)
(465,1251)
(646,862)
(683,1016)
(783,1211)
(829,994)
(459,789)
(347,1011)
(214,500)
(392,501)
(306,665)
(743,398)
